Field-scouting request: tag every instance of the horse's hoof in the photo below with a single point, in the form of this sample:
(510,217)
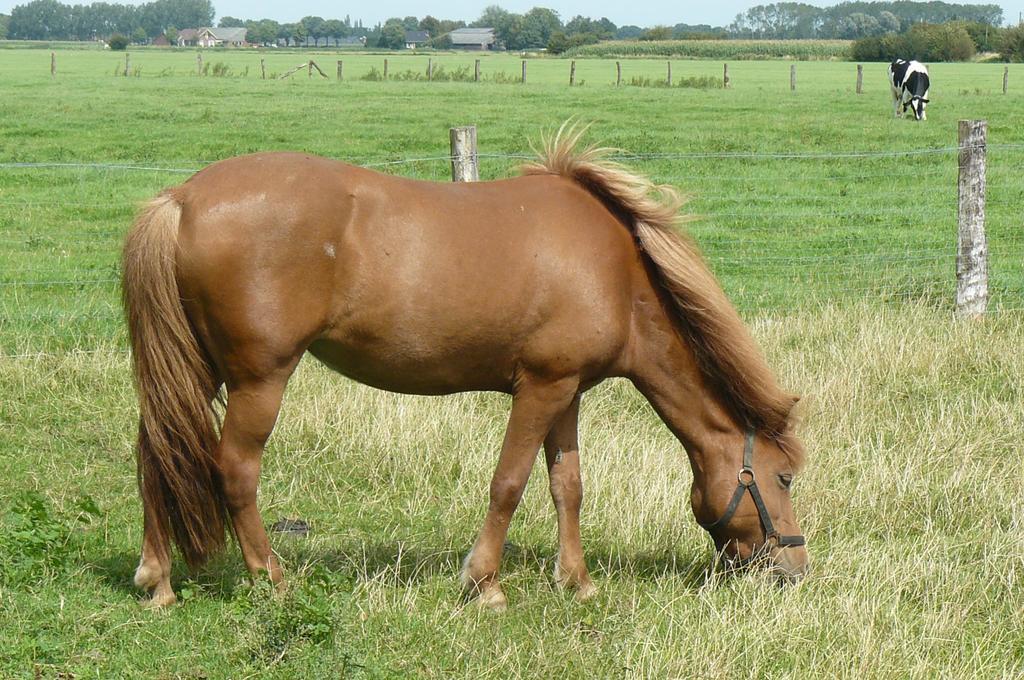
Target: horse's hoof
(585,591)
(493,599)
(158,600)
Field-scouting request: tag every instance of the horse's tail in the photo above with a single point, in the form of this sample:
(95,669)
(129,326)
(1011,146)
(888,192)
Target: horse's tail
(178,479)
(727,352)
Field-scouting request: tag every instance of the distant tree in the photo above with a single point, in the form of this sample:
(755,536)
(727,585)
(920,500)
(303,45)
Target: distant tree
(431,25)
(299,34)
(172,35)
(284,32)
(1012,44)
(139,36)
(858,25)
(411,24)
(262,32)
(392,35)
(560,42)
(492,16)
(315,27)
(657,33)
(537,26)
(628,32)
(40,20)
(230,22)
(508,27)
(603,28)
(5,20)
(697,32)
(336,29)
(986,38)
(889,22)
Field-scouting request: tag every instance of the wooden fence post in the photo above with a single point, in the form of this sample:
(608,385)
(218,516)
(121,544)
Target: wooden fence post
(385,69)
(572,73)
(524,72)
(792,77)
(53,64)
(725,76)
(464,157)
(430,69)
(309,68)
(668,79)
(1006,78)
(199,63)
(860,78)
(127,64)
(340,71)
(972,250)
(618,73)
(263,69)
(476,71)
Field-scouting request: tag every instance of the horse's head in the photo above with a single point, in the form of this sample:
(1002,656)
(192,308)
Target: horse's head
(743,500)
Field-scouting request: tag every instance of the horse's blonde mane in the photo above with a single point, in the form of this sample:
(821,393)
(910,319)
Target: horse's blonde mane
(724,346)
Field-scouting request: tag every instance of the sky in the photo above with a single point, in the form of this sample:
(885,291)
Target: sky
(639,12)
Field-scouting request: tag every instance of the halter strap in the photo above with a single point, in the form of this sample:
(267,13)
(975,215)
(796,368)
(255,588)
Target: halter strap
(747,482)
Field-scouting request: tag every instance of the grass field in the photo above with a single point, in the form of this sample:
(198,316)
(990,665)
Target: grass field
(835,241)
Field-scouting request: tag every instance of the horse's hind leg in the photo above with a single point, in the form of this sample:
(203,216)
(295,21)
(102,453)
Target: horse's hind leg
(154,571)
(561,450)
(251,414)
(535,407)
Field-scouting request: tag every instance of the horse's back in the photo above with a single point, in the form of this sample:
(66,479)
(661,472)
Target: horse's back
(408,285)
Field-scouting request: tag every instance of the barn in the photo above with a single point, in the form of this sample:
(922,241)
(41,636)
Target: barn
(473,39)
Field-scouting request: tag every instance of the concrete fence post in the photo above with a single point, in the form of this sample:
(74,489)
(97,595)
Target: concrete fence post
(464,156)
(971,250)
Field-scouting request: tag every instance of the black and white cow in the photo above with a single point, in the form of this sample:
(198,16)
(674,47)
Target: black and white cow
(909,82)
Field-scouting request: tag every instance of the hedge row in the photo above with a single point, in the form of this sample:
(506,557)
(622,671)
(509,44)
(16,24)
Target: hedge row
(718,49)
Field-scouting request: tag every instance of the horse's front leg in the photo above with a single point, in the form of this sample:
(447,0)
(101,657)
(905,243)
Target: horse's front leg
(535,407)
(561,450)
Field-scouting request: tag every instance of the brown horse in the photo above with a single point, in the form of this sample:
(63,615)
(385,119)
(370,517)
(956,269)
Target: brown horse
(540,286)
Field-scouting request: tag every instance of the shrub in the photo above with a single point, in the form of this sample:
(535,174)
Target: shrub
(986,37)
(117,42)
(939,42)
(1012,44)
(560,42)
(717,49)
(924,42)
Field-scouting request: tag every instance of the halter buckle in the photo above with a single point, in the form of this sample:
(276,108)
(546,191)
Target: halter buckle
(745,477)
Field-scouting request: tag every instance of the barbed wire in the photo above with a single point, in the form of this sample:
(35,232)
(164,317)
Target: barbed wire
(673,155)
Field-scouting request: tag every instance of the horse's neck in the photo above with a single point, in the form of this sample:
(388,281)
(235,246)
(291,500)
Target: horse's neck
(666,371)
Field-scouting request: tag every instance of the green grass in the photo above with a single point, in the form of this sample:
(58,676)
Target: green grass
(843,265)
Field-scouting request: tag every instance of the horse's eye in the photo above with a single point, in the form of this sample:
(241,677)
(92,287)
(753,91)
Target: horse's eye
(786,480)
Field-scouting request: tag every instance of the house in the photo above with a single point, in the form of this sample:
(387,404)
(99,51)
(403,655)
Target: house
(473,38)
(414,39)
(212,37)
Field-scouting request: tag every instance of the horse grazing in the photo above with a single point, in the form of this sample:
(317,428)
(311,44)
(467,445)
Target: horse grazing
(539,286)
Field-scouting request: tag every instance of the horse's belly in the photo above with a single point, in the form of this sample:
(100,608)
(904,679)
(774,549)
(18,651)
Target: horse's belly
(411,370)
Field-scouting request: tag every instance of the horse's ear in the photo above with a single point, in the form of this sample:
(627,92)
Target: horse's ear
(793,399)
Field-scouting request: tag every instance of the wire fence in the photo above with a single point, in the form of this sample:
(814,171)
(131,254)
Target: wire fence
(781,229)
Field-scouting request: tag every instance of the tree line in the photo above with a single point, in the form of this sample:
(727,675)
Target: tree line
(539,27)
(853,20)
(52,20)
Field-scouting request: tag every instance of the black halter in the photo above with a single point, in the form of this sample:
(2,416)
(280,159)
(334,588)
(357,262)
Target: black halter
(747,483)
